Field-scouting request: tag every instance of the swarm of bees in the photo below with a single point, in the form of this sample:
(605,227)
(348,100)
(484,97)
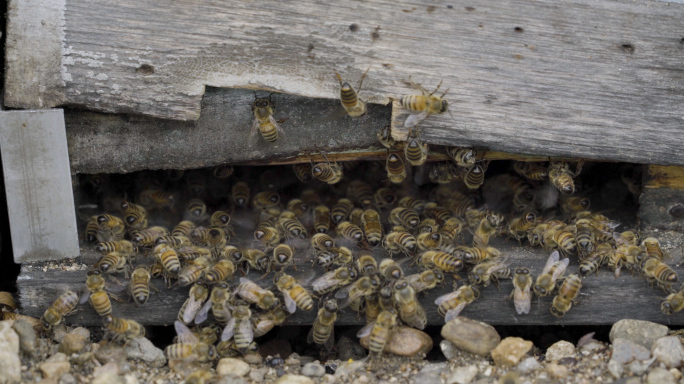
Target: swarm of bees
(208,230)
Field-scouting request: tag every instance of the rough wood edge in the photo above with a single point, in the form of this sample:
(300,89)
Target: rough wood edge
(658,176)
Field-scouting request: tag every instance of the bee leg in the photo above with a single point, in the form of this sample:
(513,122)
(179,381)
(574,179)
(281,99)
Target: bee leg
(437,89)
(361,81)
(117,298)
(495,281)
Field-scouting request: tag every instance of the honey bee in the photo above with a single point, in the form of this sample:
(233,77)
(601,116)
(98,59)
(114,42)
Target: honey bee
(384,198)
(256,259)
(265,321)
(303,172)
(659,272)
(91,230)
(624,255)
(475,255)
(239,328)
(240,194)
(626,238)
(254,294)
(406,217)
(264,122)
(386,298)
(489,271)
(429,241)
(379,332)
(415,151)
(440,214)
(586,242)
(189,346)
(327,172)
(463,157)
(441,260)
(573,204)
(322,242)
(350,231)
(355,217)
(113,262)
(522,290)
(360,192)
(195,211)
(193,252)
(140,285)
(395,167)
(355,292)
(399,241)
(592,262)
(390,270)
(223,171)
(553,270)
(321,219)
(531,170)
(652,247)
(474,178)
(519,226)
(96,294)
(428,225)
(562,178)
(148,237)
(474,216)
(341,256)
(426,104)
(372,226)
(219,300)
(156,199)
(200,376)
(416,204)
(487,227)
(295,296)
(221,271)
(265,200)
(135,216)
(168,259)
(333,280)
(567,293)
(451,304)
(220,219)
(123,329)
(110,228)
(341,210)
(410,310)
(311,197)
(267,234)
(174,242)
(183,229)
(564,241)
(64,306)
(299,208)
(450,229)
(385,138)
(425,280)
(372,307)
(124,247)
(674,302)
(290,225)
(366,265)
(444,173)
(350,98)
(198,295)
(323,330)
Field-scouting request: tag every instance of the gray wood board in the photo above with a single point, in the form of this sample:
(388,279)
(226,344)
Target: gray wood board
(40,202)
(101,143)
(662,208)
(604,299)
(582,78)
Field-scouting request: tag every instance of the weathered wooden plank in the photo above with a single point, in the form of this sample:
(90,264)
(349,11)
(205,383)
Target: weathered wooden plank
(604,299)
(582,78)
(40,202)
(662,200)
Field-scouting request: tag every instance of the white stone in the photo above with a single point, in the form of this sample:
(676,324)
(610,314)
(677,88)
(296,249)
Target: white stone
(10,363)
(294,379)
(462,375)
(560,350)
(669,351)
(235,366)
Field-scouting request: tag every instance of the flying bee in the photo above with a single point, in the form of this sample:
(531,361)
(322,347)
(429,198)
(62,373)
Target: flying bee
(489,271)
(429,241)
(385,138)
(323,330)
(113,262)
(450,229)
(451,304)
(652,247)
(110,228)
(264,122)
(321,219)
(198,295)
(395,167)
(240,328)
(294,294)
(486,228)
(189,346)
(441,260)
(96,294)
(415,151)
(140,285)
(266,321)
(341,256)
(221,271)
(254,294)
(355,292)
(123,329)
(327,172)
(567,293)
(464,157)
(350,231)
(360,192)
(61,308)
(240,194)
(322,242)
(562,178)
(553,270)
(410,310)
(405,217)
(379,332)
(341,210)
(366,265)
(674,302)
(474,178)
(350,98)
(372,226)
(426,104)
(148,237)
(135,216)
(399,241)
(522,290)
(333,280)
(444,173)
(390,270)
(223,171)
(531,170)
(519,226)
(124,247)
(168,258)
(425,280)
(384,198)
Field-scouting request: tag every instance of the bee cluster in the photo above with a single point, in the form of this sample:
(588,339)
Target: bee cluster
(208,229)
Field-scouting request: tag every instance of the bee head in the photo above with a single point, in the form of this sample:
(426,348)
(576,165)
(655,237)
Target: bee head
(568,189)
(259,234)
(331,306)
(540,289)
(445,106)
(557,312)
(101,219)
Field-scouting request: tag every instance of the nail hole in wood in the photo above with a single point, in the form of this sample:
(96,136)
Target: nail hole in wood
(145,69)
(628,48)
(677,211)
(354,27)
(519,29)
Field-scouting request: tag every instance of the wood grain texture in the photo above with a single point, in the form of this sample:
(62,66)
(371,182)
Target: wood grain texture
(581,78)
(603,299)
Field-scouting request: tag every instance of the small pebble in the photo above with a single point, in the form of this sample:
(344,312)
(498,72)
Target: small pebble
(669,351)
(640,332)
(27,335)
(560,350)
(660,376)
(625,351)
(54,369)
(108,368)
(462,375)
(313,370)
(67,378)
(294,379)
(109,378)
(471,335)
(235,366)
(638,368)
(557,371)
(72,343)
(676,373)
(615,368)
(528,365)
(510,350)
(257,374)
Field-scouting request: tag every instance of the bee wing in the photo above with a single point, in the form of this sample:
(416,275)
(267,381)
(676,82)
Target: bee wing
(562,266)
(228,330)
(309,337)
(290,304)
(115,286)
(331,340)
(413,120)
(191,309)
(365,331)
(454,312)
(203,313)
(184,333)
(277,125)
(84,297)
(448,296)
(550,261)
(324,282)
(343,292)
(246,329)
(522,298)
